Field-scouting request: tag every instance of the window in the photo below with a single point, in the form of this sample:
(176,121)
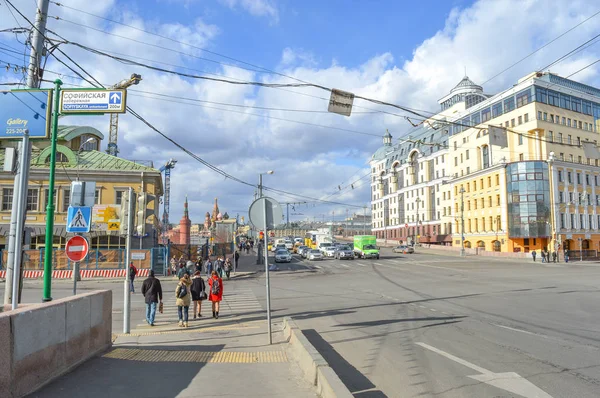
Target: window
(490,201)
(497,109)
(564,121)
(561,197)
(553,98)
(550,136)
(579,124)
(551,118)
(497,200)
(590,221)
(455,161)
(520,139)
(523,98)
(467,154)
(66,199)
(455,145)
(509,104)
(7,199)
(562,220)
(497,179)
(581,223)
(486,115)
(572,220)
(512,122)
(47,197)
(560,138)
(489,182)
(578,141)
(565,101)
(596,180)
(521,157)
(546,116)
(119,197)
(520,120)
(526,117)
(482,203)
(578,175)
(485,157)
(539,115)
(97,197)
(569,139)
(569,177)
(560,176)
(32,200)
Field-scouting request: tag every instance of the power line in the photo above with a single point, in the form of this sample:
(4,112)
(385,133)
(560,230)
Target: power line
(540,48)
(569,53)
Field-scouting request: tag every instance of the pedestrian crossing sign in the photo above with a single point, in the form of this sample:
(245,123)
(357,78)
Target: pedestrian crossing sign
(79,219)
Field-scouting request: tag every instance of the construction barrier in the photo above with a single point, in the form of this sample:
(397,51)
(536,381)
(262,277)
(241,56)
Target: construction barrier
(84,273)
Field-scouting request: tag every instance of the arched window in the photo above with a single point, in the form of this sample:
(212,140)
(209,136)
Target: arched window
(496,245)
(485,156)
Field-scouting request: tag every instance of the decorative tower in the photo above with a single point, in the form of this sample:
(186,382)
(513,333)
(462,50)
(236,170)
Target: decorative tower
(387,138)
(184,225)
(215,212)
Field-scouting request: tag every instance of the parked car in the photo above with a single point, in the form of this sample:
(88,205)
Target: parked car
(329,251)
(344,252)
(315,254)
(283,256)
(300,248)
(403,249)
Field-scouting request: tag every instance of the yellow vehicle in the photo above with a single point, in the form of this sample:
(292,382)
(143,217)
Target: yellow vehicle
(296,246)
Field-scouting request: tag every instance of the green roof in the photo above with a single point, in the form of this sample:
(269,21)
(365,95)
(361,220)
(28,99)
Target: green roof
(93,160)
(67,133)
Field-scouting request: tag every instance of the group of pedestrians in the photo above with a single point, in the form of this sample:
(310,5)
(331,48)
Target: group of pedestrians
(188,290)
(548,257)
(246,245)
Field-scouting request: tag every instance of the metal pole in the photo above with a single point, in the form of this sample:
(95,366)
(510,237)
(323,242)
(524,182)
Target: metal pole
(265,244)
(127,296)
(50,208)
(462,222)
(12,234)
(75,272)
(267,272)
(21,204)
(37,44)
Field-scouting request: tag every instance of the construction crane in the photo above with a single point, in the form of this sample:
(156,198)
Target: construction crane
(113,149)
(165,221)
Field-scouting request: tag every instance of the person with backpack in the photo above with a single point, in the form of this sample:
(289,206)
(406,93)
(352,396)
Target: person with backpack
(183,295)
(215,287)
(152,291)
(198,290)
(132,273)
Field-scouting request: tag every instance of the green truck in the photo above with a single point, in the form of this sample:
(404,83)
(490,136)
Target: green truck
(365,246)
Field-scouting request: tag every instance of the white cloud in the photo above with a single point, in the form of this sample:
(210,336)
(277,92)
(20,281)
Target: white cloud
(259,8)
(308,160)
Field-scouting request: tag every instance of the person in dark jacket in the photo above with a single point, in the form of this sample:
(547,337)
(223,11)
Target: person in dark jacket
(198,293)
(198,265)
(152,291)
(237,259)
(132,273)
(182,271)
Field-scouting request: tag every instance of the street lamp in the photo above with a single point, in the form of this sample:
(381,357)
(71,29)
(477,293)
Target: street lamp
(265,248)
(89,140)
(462,222)
(260,185)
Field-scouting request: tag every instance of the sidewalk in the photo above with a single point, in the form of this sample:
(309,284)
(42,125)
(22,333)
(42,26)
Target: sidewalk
(225,357)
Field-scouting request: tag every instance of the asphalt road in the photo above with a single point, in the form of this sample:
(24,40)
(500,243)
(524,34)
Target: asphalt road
(431,325)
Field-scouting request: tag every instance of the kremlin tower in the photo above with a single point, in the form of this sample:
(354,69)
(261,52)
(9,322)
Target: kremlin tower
(184,225)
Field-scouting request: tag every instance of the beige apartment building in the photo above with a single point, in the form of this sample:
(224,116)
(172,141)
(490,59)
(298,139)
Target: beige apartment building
(537,190)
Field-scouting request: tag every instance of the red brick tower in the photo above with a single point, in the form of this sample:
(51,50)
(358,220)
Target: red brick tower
(184,225)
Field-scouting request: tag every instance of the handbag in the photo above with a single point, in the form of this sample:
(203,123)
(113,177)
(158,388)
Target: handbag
(203,295)
(160,307)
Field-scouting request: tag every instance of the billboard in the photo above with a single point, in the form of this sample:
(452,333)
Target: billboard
(25,110)
(106,217)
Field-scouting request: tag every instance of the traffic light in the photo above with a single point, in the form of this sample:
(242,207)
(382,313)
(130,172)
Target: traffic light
(144,199)
(261,235)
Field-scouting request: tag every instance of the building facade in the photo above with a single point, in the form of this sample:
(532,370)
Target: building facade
(536,190)
(78,158)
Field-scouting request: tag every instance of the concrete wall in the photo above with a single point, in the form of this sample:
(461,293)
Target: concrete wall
(43,341)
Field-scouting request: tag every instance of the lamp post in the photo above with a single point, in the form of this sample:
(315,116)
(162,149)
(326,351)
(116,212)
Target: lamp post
(260,195)
(417,221)
(553,239)
(462,222)
(265,248)
(91,139)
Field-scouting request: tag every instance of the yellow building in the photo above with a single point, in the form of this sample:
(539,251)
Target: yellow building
(537,190)
(78,158)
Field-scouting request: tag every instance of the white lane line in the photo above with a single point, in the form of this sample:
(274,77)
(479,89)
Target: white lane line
(519,330)
(508,381)
(422,306)
(431,309)
(345,265)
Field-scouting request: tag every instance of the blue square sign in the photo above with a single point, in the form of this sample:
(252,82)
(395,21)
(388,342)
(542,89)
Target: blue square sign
(79,219)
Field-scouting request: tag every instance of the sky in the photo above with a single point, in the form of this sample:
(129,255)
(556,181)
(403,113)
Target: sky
(405,53)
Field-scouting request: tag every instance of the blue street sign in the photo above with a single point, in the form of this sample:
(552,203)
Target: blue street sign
(25,110)
(79,219)
(92,100)
(114,97)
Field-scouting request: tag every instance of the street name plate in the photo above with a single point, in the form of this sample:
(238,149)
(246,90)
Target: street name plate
(93,101)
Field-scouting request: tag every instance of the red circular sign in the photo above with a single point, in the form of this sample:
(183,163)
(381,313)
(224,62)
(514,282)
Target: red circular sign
(77,248)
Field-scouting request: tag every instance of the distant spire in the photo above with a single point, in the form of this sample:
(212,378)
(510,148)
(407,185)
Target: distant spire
(185,208)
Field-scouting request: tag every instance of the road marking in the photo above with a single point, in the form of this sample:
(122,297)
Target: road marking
(431,309)
(422,306)
(520,330)
(136,354)
(509,381)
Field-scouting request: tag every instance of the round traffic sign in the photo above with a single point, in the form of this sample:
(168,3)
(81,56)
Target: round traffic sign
(77,248)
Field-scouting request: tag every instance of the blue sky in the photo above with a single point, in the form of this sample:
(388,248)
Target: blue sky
(406,53)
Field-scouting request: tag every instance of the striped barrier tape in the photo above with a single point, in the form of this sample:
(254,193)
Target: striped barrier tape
(85,273)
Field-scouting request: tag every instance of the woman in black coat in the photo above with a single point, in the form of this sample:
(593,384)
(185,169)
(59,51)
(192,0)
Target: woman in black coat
(198,292)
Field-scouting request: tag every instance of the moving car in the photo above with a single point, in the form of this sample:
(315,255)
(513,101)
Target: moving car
(280,246)
(323,246)
(315,254)
(305,251)
(283,256)
(300,248)
(403,249)
(329,251)
(344,251)
(289,245)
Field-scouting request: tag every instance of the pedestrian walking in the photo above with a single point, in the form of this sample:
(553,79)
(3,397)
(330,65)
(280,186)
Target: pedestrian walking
(152,291)
(209,267)
(543,255)
(236,258)
(533,254)
(184,298)
(216,292)
(228,267)
(198,267)
(219,266)
(247,247)
(132,273)
(189,265)
(198,290)
(173,266)
(554,256)
(566,256)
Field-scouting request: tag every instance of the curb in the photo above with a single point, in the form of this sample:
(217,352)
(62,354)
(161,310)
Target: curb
(316,370)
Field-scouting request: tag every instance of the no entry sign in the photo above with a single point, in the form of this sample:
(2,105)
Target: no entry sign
(77,248)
